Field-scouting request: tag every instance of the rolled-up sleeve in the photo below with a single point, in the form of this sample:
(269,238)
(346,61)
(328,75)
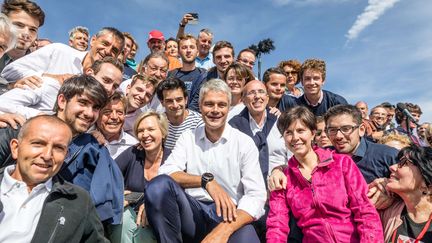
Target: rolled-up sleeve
(177,160)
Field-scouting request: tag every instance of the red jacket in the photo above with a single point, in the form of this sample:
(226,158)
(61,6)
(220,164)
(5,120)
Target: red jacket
(333,207)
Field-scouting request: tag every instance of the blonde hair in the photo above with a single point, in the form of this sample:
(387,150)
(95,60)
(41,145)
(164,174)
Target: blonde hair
(161,119)
(402,139)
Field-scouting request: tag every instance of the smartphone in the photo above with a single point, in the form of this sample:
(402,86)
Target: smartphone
(195,18)
(134,197)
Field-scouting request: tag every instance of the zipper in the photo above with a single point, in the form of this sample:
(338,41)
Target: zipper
(60,220)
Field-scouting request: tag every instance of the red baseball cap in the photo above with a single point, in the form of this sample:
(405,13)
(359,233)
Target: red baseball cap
(156,34)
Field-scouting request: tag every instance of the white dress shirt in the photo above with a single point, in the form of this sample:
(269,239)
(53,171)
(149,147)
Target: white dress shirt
(278,153)
(21,209)
(31,102)
(235,110)
(56,58)
(233,160)
(116,147)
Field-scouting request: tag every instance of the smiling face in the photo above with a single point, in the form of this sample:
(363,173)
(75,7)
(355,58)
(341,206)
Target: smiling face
(27,29)
(405,177)
(321,138)
(111,119)
(234,82)
(204,43)
(157,67)
(80,112)
(345,143)
(174,103)
(139,94)
(292,75)
(79,41)
(312,81)
(379,116)
(105,45)
(298,139)
(214,108)
(222,58)
(172,48)
(276,86)
(247,58)
(149,134)
(40,152)
(255,98)
(109,76)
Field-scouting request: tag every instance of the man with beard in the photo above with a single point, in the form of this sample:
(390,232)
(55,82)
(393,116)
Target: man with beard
(61,61)
(191,75)
(205,39)
(156,41)
(88,164)
(223,56)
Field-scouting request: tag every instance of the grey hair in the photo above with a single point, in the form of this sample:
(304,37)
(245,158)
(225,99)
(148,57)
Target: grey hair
(81,29)
(207,31)
(8,30)
(217,85)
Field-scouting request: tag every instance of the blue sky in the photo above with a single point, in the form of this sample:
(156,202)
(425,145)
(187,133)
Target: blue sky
(376,50)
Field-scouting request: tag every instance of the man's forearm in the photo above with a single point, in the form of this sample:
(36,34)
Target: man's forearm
(228,228)
(186,180)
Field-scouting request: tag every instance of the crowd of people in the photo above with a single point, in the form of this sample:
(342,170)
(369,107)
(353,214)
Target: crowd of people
(189,145)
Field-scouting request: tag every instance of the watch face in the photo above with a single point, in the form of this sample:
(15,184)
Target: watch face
(208,176)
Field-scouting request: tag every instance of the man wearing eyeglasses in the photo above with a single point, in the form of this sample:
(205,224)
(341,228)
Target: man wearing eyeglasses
(247,57)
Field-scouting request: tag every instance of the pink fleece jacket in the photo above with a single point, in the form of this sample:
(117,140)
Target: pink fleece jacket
(333,207)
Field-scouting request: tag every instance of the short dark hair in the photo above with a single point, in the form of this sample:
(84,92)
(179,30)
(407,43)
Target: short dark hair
(297,113)
(338,110)
(96,66)
(412,108)
(272,70)
(117,34)
(421,157)
(171,83)
(30,7)
(222,44)
(83,84)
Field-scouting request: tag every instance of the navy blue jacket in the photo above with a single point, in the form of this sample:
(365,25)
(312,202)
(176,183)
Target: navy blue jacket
(374,159)
(329,100)
(90,166)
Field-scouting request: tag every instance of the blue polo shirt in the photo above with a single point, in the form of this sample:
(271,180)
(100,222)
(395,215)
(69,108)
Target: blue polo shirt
(329,99)
(206,62)
(374,159)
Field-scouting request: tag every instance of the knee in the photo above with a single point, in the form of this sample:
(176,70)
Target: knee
(158,189)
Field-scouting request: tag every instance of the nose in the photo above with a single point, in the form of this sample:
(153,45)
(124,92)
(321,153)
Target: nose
(47,153)
(175,104)
(393,168)
(113,115)
(108,51)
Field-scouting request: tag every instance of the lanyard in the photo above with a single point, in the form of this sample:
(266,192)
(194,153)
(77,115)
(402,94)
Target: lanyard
(422,233)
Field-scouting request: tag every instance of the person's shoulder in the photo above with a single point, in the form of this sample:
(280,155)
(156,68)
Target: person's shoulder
(334,97)
(377,149)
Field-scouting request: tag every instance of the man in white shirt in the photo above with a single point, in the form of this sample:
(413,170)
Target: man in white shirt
(60,61)
(218,166)
(36,205)
(31,102)
(109,126)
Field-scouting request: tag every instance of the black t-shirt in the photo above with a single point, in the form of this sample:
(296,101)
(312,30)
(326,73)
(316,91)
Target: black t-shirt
(188,77)
(409,230)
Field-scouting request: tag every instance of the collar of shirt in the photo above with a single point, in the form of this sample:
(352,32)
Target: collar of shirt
(361,149)
(121,139)
(205,59)
(8,183)
(225,134)
(319,101)
(254,126)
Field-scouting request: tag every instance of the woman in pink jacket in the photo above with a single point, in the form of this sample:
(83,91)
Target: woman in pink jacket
(325,191)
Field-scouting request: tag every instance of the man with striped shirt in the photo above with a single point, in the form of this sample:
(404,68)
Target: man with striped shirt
(172,93)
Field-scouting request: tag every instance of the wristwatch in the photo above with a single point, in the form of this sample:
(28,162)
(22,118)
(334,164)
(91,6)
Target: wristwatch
(206,178)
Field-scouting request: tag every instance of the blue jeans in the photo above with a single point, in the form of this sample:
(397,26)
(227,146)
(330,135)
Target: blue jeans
(176,217)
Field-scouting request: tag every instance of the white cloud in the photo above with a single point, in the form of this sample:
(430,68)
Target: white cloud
(372,12)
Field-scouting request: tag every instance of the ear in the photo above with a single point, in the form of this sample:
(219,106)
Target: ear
(89,71)
(362,130)
(14,148)
(61,102)
(92,41)
(128,89)
(70,42)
